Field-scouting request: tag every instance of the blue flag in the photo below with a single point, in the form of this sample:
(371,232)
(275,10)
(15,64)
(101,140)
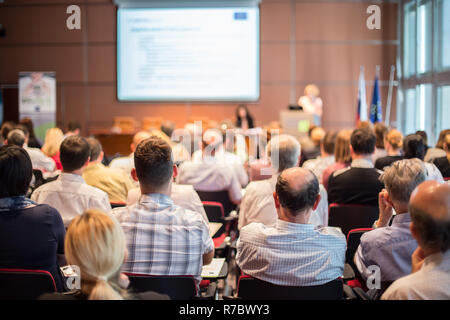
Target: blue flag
(375,107)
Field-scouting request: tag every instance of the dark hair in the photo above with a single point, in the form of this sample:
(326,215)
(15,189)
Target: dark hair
(424,136)
(74,125)
(153,162)
(28,123)
(6,128)
(434,233)
(248,116)
(16,138)
(74,152)
(440,142)
(380,130)
(297,200)
(16,171)
(167,127)
(413,147)
(23,128)
(96,148)
(363,141)
(329,142)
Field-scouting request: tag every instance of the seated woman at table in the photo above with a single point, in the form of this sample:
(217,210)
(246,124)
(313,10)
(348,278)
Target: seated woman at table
(95,243)
(31,234)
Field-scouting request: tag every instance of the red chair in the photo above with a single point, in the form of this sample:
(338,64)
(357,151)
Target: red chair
(446,178)
(353,240)
(351,216)
(25,284)
(118,204)
(176,287)
(218,196)
(250,288)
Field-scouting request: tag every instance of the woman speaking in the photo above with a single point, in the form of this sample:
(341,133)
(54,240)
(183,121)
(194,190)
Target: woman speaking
(312,103)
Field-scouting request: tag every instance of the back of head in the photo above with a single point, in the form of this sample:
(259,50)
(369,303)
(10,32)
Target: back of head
(16,171)
(16,138)
(96,148)
(394,138)
(363,141)
(74,153)
(297,190)
(413,147)
(283,151)
(380,131)
(317,134)
(212,138)
(167,127)
(365,125)
(73,126)
(447,143)
(53,140)
(138,138)
(6,128)
(329,141)
(154,163)
(402,177)
(429,207)
(24,129)
(95,243)
(342,146)
(442,134)
(27,122)
(424,136)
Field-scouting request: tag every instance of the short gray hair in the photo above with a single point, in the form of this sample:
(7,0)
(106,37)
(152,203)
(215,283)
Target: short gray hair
(283,151)
(402,177)
(16,137)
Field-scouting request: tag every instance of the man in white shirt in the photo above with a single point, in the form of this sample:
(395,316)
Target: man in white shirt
(209,174)
(294,252)
(258,205)
(127,163)
(326,159)
(162,238)
(70,194)
(429,207)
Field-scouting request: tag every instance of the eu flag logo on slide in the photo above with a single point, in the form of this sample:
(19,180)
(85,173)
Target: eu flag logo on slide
(240,16)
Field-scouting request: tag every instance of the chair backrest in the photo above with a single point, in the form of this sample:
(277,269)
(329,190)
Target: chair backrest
(176,287)
(447,178)
(351,216)
(353,239)
(214,211)
(250,288)
(118,204)
(24,284)
(218,196)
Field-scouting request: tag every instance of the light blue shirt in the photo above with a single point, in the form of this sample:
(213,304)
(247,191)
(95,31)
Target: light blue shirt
(390,248)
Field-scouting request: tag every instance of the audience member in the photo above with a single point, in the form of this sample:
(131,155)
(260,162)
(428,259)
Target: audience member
(211,173)
(162,238)
(33,141)
(15,138)
(429,207)
(31,235)
(5,129)
(168,127)
(181,138)
(317,135)
(127,163)
(243,118)
(95,242)
(294,252)
(393,142)
(438,151)
(342,156)
(283,152)
(443,163)
(115,182)
(390,247)
(359,183)
(70,194)
(424,136)
(74,129)
(39,160)
(413,147)
(326,159)
(380,131)
(52,143)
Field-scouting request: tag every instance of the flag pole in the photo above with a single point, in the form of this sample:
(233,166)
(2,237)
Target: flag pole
(389,98)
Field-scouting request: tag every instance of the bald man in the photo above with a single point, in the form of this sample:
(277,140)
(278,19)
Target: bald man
(127,163)
(429,207)
(294,252)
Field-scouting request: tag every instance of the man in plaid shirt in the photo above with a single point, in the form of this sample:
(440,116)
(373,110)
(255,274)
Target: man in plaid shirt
(162,238)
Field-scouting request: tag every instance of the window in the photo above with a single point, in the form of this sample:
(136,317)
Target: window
(424,36)
(443,34)
(409,47)
(443,108)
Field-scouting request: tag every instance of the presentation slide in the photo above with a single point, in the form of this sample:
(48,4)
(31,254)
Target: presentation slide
(191,54)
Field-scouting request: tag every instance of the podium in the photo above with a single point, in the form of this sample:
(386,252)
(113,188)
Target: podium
(296,122)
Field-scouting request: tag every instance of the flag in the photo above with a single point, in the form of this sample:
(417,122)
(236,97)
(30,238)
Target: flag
(361,114)
(375,107)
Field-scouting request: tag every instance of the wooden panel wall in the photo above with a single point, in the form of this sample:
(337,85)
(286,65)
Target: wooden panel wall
(319,41)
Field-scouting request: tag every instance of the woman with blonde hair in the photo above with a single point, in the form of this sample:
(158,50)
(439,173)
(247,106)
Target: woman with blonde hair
(311,102)
(393,142)
(53,140)
(95,243)
(341,155)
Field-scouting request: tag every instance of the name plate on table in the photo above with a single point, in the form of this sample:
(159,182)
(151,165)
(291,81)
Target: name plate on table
(213,269)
